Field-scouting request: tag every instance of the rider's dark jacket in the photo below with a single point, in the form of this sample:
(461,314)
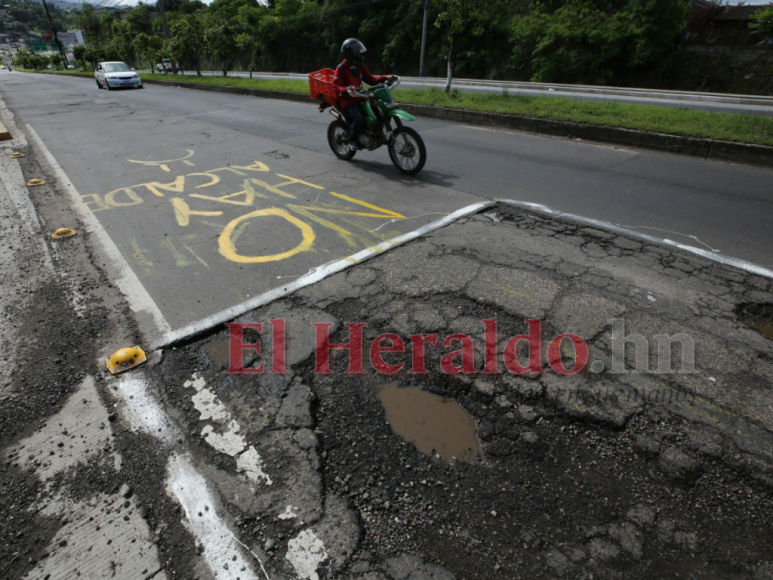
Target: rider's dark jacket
(350,74)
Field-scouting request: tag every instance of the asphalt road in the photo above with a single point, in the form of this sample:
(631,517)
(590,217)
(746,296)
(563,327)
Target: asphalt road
(212,143)
(721,103)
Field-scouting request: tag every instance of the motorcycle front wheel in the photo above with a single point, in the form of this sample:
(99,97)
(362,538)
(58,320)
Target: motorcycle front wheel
(337,138)
(407,151)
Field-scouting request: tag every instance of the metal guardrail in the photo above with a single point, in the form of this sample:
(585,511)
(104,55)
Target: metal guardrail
(512,86)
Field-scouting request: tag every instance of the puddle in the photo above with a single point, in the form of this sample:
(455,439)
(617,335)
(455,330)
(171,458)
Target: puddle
(764,327)
(218,351)
(759,317)
(433,425)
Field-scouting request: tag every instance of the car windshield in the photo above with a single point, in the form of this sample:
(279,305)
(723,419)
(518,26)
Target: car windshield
(115,67)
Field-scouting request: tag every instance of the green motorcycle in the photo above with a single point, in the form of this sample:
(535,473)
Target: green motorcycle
(406,147)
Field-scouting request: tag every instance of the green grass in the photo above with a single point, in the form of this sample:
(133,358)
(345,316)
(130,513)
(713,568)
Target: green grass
(675,121)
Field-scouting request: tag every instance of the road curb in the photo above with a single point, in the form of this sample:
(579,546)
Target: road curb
(296,97)
(716,150)
(729,151)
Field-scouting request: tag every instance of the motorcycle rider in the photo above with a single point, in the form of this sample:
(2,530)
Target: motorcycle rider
(348,79)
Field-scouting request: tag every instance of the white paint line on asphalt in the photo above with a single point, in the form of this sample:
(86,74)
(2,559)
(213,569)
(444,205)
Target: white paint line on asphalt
(222,550)
(314,276)
(229,441)
(137,296)
(250,464)
(141,409)
(289,513)
(749,267)
(306,552)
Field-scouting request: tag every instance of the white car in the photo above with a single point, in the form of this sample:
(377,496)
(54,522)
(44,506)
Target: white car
(112,75)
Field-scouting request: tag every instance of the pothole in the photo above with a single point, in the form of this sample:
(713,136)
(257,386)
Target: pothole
(218,351)
(759,317)
(437,427)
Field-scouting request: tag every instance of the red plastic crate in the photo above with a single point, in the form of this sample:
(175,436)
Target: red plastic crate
(321,86)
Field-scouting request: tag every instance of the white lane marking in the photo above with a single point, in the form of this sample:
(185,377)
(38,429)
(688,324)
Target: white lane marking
(136,295)
(141,409)
(210,407)
(229,441)
(306,552)
(314,276)
(222,550)
(749,267)
(251,465)
(289,513)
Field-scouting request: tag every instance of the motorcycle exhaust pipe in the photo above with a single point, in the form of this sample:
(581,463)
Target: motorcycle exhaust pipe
(335,113)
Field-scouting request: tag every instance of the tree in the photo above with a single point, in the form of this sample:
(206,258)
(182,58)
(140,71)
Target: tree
(762,21)
(37,61)
(220,44)
(248,41)
(55,59)
(92,56)
(91,25)
(149,49)
(187,41)
(466,17)
(79,53)
(22,59)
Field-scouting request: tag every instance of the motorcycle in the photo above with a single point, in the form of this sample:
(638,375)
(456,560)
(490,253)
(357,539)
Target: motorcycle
(406,147)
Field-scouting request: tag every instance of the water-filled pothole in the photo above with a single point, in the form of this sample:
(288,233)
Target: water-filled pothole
(759,317)
(218,351)
(434,425)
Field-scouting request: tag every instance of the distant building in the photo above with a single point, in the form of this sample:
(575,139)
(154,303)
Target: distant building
(700,16)
(730,25)
(713,23)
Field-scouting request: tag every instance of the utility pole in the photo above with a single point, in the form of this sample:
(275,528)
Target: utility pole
(166,34)
(163,18)
(56,36)
(423,38)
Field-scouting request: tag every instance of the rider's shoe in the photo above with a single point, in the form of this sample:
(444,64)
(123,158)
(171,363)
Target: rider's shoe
(354,146)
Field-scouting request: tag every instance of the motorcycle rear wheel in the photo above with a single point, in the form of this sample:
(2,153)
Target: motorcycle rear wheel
(407,150)
(338,139)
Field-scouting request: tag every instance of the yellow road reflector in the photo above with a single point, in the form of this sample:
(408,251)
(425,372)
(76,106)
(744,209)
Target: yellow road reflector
(125,359)
(63,233)
(36,182)
(16,155)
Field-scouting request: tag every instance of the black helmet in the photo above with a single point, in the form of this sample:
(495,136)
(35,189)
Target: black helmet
(354,49)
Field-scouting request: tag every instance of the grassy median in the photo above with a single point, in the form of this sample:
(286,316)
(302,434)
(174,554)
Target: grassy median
(671,120)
